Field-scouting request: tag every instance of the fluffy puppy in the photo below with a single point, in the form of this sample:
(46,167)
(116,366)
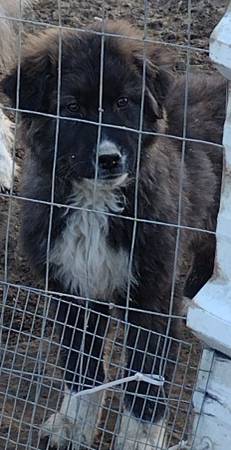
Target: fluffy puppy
(89,251)
(8,45)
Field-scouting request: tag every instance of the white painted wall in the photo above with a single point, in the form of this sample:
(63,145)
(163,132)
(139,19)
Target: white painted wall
(212,424)
(209,316)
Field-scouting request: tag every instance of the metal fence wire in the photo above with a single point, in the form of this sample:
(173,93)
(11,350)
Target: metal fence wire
(96,414)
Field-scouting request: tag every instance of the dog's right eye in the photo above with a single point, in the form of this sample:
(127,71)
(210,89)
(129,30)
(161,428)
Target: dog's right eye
(73,107)
(122,102)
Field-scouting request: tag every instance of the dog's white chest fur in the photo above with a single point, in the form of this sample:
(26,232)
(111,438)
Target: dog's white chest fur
(82,258)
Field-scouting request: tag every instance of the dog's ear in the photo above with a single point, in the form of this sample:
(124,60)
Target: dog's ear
(27,85)
(158,75)
(160,62)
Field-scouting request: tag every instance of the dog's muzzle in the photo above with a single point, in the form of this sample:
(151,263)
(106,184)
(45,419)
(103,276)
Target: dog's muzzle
(111,163)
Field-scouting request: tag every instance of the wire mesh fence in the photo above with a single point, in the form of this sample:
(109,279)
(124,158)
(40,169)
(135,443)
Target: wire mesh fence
(32,378)
(58,340)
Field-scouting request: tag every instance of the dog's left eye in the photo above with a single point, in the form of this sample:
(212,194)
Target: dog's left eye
(122,102)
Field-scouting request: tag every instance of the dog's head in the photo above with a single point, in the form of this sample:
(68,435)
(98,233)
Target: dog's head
(73,74)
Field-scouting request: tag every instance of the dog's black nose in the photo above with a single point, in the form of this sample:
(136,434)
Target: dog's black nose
(109,162)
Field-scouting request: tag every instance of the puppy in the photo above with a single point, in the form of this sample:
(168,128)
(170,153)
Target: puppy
(8,45)
(89,252)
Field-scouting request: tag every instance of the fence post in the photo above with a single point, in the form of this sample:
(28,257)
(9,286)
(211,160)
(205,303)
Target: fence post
(209,315)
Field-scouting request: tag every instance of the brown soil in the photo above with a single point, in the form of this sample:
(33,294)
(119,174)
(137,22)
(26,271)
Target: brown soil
(30,384)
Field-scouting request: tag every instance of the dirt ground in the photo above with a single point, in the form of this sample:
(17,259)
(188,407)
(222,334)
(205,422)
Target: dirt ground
(30,384)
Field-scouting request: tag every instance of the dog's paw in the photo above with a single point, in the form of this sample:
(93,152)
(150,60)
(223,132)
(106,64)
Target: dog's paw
(147,445)
(73,427)
(137,435)
(58,429)
(62,433)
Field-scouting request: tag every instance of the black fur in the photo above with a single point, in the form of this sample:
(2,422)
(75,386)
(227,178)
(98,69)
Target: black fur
(159,179)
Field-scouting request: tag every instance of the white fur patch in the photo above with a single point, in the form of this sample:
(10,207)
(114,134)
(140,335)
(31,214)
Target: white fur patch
(6,141)
(9,30)
(138,435)
(75,422)
(107,147)
(82,258)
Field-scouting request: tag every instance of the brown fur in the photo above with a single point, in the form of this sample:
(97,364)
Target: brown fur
(161,177)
